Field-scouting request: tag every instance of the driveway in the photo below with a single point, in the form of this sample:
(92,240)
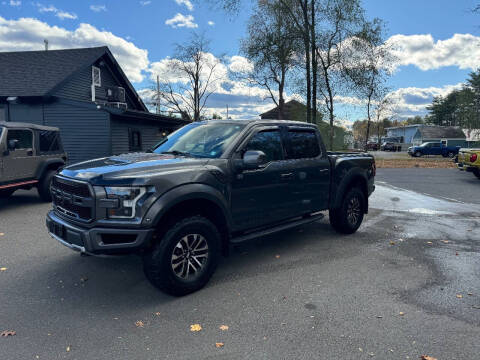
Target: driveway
(406,284)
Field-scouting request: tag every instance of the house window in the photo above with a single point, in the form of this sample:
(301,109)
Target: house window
(135,140)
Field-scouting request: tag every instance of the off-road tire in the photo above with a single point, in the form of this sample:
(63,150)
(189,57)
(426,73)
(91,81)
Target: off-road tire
(339,218)
(157,263)
(5,193)
(44,185)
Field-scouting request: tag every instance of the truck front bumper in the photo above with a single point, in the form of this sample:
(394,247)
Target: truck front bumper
(97,241)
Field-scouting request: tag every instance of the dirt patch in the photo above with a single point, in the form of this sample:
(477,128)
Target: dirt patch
(430,163)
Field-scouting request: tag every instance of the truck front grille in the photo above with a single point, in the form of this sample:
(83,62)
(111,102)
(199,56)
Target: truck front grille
(72,198)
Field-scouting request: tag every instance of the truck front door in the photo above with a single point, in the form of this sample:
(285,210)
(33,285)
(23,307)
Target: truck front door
(260,196)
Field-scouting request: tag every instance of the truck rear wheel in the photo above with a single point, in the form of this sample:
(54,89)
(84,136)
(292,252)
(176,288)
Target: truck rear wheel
(476,172)
(418,154)
(44,185)
(348,218)
(184,260)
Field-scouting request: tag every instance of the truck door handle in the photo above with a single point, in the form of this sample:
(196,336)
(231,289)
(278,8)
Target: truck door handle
(286,176)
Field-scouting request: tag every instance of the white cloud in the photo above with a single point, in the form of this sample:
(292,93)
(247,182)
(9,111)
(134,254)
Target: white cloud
(187,3)
(15,3)
(180,20)
(240,64)
(211,23)
(98,8)
(422,51)
(145,2)
(28,34)
(58,13)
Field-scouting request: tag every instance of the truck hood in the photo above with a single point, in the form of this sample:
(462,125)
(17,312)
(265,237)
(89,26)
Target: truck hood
(127,168)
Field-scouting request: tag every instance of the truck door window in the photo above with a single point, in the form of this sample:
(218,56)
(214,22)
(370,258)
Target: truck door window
(24,137)
(302,144)
(268,141)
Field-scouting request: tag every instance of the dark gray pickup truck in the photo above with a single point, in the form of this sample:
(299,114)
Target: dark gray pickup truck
(208,185)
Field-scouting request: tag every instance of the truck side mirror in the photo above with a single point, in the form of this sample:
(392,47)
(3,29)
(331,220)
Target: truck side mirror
(253,159)
(12,144)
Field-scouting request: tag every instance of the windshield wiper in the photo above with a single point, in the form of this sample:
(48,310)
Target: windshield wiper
(177,153)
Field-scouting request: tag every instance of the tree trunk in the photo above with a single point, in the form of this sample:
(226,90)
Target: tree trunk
(368,123)
(314,64)
(281,100)
(306,41)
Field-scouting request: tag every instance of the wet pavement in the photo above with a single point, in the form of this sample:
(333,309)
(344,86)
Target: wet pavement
(406,284)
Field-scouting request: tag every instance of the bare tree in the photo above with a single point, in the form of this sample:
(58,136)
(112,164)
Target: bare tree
(367,61)
(195,77)
(271,46)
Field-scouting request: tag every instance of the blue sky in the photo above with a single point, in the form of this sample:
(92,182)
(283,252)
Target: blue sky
(433,59)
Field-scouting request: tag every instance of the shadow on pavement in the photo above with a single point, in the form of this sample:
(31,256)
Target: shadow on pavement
(20,199)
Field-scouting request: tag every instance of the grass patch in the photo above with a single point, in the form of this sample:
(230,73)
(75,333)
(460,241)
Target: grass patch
(426,163)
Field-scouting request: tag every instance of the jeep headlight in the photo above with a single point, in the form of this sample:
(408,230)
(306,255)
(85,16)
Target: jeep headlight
(127,198)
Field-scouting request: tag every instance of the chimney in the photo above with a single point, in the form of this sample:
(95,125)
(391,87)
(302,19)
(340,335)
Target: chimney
(46,44)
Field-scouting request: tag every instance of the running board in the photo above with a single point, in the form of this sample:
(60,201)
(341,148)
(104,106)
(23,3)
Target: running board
(281,227)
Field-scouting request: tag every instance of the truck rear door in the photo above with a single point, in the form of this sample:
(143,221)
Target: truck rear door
(309,184)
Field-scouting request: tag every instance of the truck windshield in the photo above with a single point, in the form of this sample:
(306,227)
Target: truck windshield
(207,140)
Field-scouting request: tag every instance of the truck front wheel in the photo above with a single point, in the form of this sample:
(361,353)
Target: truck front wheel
(348,218)
(185,258)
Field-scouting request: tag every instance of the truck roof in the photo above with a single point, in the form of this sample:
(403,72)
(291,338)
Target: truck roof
(263,121)
(9,124)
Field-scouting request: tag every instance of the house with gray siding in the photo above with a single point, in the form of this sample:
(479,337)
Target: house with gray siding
(447,135)
(85,93)
(405,133)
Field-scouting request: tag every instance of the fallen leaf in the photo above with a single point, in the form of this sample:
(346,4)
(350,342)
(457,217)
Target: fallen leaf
(195,327)
(401,313)
(426,357)
(469,294)
(84,279)
(3,269)
(68,348)
(456,253)
(459,296)
(379,316)
(139,324)
(392,242)
(277,256)
(445,241)
(8,333)
(2,234)
(429,243)
(157,314)
(224,327)
(219,345)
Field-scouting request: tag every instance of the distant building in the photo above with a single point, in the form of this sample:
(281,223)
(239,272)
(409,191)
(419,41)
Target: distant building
(448,135)
(85,93)
(404,134)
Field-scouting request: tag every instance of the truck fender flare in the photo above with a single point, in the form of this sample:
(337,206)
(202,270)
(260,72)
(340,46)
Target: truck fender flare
(352,176)
(182,193)
(46,164)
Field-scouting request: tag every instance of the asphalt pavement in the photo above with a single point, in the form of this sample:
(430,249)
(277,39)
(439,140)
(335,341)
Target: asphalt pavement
(406,284)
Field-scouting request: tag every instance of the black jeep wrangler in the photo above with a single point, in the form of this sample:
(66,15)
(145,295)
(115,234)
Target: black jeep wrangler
(30,155)
(208,185)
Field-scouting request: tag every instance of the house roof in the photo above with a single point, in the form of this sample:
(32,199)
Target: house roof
(406,126)
(290,107)
(441,132)
(38,73)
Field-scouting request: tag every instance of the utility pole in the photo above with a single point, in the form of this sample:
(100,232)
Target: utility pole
(46,44)
(158,94)
(227,111)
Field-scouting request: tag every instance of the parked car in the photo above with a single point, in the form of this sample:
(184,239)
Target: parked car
(372,145)
(433,148)
(206,186)
(391,146)
(30,155)
(469,160)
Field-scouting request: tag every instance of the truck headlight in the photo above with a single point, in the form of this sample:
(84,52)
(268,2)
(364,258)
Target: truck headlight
(127,201)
